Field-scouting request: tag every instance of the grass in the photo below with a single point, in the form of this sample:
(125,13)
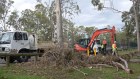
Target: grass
(108,73)
(126,51)
(94,73)
(13,73)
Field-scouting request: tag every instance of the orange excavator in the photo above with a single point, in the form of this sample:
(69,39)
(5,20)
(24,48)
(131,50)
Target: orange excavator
(89,44)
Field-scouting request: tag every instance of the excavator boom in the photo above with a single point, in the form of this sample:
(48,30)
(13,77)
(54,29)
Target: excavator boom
(101,31)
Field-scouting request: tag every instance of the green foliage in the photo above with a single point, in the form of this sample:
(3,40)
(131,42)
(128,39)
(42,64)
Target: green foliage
(90,30)
(37,21)
(98,4)
(83,32)
(69,8)
(14,20)
(128,19)
(95,2)
(4,10)
(28,20)
(124,40)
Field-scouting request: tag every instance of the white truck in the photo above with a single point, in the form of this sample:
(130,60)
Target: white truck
(18,42)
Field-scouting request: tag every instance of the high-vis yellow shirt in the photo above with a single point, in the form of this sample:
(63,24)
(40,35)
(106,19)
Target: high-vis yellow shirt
(114,46)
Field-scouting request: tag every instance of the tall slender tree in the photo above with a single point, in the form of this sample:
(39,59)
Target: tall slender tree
(5,6)
(136,8)
(59,23)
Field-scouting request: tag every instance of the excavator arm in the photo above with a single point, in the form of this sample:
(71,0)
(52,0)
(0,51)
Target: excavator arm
(101,31)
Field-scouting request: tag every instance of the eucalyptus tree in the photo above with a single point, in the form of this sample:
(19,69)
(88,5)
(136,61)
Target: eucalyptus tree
(68,9)
(131,20)
(14,20)
(136,8)
(43,22)
(37,21)
(129,26)
(27,20)
(5,6)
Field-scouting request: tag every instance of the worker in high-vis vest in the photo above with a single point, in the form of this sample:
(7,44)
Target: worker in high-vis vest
(104,42)
(102,49)
(114,48)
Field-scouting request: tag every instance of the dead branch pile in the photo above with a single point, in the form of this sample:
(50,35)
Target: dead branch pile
(56,57)
(62,57)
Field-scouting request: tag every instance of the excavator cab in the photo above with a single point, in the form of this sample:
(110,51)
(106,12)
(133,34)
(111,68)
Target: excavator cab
(83,42)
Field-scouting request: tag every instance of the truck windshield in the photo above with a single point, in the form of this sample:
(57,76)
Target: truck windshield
(1,34)
(6,38)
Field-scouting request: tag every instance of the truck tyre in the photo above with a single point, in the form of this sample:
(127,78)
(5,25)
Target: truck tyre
(11,59)
(23,58)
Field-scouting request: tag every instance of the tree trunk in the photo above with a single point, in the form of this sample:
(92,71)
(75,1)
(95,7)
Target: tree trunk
(137,24)
(59,23)
(72,40)
(4,25)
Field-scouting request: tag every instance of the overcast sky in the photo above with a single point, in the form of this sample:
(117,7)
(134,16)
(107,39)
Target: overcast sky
(89,15)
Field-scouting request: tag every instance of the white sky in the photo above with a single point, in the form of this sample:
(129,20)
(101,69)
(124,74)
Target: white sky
(89,16)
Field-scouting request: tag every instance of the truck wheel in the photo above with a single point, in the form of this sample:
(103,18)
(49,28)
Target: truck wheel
(11,59)
(22,58)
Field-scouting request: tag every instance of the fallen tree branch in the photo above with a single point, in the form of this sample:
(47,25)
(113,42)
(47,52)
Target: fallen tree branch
(111,8)
(105,65)
(125,62)
(80,71)
(119,65)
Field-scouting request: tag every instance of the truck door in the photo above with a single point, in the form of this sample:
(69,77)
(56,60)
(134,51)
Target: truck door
(20,40)
(25,40)
(17,41)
